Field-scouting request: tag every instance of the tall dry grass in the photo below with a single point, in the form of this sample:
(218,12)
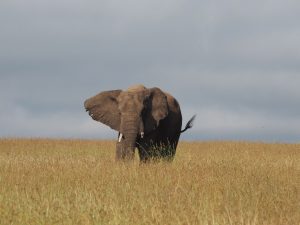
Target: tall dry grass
(78,182)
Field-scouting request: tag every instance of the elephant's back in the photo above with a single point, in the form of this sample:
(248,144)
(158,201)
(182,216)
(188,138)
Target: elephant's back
(173,103)
(174,117)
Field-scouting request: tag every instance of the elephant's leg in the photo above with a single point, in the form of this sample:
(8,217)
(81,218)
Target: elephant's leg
(143,152)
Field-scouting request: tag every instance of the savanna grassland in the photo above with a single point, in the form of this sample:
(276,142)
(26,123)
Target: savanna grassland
(51,182)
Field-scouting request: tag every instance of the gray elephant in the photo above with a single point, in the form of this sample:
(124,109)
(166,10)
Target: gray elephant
(147,118)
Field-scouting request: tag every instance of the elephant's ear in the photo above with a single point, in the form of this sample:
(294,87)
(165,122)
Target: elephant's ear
(157,111)
(103,107)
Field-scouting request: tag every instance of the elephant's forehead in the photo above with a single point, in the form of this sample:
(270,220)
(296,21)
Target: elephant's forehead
(129,97)
(129,100)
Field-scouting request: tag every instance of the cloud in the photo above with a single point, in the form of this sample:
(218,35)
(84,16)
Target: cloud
(233,63)
(219,123)
(24,123)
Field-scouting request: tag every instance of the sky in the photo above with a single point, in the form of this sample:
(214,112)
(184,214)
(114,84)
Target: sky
(236,64)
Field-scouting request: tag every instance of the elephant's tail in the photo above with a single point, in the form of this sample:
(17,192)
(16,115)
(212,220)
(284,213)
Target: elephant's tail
(189,124)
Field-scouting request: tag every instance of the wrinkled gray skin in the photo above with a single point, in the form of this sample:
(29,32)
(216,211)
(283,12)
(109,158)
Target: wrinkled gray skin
(146,118)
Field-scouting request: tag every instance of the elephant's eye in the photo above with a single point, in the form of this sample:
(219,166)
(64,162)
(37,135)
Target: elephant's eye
(146,100)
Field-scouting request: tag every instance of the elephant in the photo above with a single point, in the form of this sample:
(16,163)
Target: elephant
(147,118)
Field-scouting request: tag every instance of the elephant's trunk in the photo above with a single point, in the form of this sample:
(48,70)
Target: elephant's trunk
(129,130)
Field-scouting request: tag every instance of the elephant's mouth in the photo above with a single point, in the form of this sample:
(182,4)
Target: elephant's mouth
(122,137)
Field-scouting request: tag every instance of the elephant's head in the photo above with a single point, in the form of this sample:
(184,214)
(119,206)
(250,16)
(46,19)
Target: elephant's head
(134,113)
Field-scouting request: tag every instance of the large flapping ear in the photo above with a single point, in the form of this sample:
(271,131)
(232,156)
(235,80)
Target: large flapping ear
(103,107)
(157,111)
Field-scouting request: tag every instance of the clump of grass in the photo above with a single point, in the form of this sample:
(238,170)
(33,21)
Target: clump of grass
(46,181)
(160,152)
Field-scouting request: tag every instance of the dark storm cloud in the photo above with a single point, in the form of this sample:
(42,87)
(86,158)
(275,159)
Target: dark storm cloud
(234,63)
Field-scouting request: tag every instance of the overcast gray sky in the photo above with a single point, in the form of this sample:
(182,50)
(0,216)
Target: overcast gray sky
(236,64)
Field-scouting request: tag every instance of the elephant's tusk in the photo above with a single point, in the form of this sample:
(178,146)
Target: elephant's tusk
(120,137)
(142,134)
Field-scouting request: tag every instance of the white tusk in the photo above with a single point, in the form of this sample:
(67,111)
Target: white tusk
(142,134)
(120,137)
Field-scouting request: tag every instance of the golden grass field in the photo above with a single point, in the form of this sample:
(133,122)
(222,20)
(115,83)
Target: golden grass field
(45,181)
